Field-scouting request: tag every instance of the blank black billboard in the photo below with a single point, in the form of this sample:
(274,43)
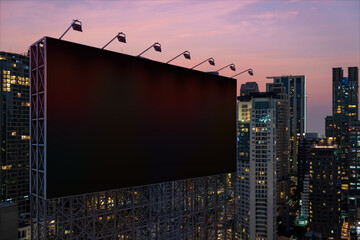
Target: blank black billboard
(116,121)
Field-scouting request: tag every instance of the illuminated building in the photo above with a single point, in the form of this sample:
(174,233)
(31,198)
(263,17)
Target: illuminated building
(354,180)
(345,110)
(325,186)
(14,105)
(295,88)
(285,216)
(345,102)
(257,195)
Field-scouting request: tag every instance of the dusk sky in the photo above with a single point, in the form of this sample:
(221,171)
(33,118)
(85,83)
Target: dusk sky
(272,37)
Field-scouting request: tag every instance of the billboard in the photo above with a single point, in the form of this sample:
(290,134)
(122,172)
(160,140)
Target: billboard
(116,121)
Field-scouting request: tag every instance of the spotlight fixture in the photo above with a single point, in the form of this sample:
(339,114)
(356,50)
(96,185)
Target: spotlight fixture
(75,25)
(250,71)
(210,60)
(232,67)
(157,47)
(120,36)
(185,53)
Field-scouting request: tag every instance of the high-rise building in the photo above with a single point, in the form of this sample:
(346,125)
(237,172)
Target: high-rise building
(282,156)
(325,186)
(345,102)
(345,110)
(14,126)
(304,157)
(257,191)
(354,180)
(295,88)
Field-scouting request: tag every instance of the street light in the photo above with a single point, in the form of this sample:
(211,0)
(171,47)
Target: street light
(210,60)
(157,47)
(120,36)
(185,53)
(76,25)
(250,71)
(232,67)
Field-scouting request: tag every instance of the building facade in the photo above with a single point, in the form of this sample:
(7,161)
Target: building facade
(14,126)
(295,88)
(257,165)
(345,102)
(354,180)
(345,110)
(325,186)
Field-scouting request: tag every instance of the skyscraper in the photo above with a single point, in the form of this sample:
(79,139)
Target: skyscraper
(345,110)
(14,124)
(354,180)
(257,194)
(282,156)
(345,102)
(295,88)
(325,185)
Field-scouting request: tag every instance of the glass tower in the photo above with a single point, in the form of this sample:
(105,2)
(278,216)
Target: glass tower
(14,124)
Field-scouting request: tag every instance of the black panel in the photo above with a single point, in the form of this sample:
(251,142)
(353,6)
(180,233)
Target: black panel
(117,121)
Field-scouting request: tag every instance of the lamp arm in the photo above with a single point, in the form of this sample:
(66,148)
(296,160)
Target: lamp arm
(110,42)
(175,57)
(200,63)
(66,30)
(146,50)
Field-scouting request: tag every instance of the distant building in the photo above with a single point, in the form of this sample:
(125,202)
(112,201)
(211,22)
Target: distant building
(257,195)
(249,87)
(14,124)
(345,102)
(285,216)
(304,157)
(295,87)
(345,110)
(325,186)
(354,179)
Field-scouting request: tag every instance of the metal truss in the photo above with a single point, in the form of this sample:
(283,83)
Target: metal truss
(198,208)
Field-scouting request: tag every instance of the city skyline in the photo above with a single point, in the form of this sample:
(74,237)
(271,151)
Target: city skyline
(281,37)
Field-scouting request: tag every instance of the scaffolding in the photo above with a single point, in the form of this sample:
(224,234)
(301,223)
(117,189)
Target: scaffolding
(198,208)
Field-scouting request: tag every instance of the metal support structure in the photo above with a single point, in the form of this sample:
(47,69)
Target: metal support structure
(38,204)
(198,208)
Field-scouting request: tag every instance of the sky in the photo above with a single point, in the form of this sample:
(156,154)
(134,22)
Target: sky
(289,37)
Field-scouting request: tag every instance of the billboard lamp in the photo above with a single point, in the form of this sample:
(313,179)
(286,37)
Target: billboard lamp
(185,53)
(157,47)
(210,60)
(76,25)
(120,36)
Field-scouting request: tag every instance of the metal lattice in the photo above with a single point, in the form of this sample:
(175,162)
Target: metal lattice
(199,208)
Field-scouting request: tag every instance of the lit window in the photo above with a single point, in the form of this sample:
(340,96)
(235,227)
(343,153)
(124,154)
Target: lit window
(13,134)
